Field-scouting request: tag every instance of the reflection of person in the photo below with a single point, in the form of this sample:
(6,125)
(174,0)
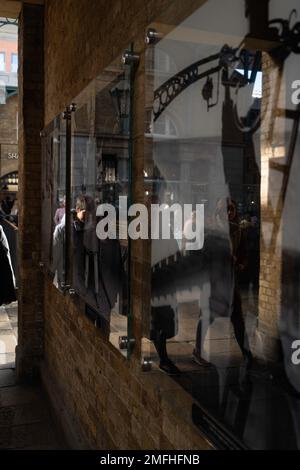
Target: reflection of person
(98,269)
(2,214)
(14,209)
(163,304)
(6,205)
(226,257)
(60,212)
(13,217)
(7,279)
(251,275)
(58,252)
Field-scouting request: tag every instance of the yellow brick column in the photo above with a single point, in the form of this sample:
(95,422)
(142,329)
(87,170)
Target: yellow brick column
(31,120)
(267,345)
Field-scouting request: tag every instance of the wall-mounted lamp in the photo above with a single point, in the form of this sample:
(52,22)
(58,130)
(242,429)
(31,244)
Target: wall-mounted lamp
(120,95)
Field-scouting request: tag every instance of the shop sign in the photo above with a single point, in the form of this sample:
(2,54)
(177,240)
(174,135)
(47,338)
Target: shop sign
(12,156)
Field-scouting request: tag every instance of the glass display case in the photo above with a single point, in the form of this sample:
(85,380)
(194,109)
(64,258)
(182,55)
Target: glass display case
(86,173)
(221,167)
(100,179)
(54,199)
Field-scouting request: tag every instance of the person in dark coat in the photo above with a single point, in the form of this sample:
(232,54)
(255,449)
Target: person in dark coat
(6,205)
(225,251)
(7,279)
(98,272)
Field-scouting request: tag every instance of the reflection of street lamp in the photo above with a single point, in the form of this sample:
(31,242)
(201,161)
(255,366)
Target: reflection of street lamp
(120,95)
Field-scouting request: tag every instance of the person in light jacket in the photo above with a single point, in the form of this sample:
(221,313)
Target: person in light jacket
(58,260)
(7,278)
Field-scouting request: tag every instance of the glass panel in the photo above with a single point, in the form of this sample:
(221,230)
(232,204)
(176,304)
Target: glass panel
(53,200)
(222,155)
(100,175)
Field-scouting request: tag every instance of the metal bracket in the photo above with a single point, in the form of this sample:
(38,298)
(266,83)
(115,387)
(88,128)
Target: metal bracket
(130,58)
(152,36)
(69,110)
(125,343)
(65,287)
(72,107)
(146,364)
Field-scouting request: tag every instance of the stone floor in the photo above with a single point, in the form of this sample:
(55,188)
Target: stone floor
(8,334)
(25,416)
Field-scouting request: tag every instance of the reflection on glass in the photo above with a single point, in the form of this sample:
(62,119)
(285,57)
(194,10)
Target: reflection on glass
(53,199)
(222,132)
(100,175)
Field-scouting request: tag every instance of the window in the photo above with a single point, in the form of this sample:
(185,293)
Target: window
(14,62)
(2,61)
(223,314)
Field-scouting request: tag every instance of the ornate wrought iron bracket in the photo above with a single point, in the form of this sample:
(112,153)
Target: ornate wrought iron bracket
(281,31)
(169,90)
(69,110)
(8,22)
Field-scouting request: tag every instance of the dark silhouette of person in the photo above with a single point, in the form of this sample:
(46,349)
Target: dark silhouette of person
(6,205)
(163,292)
(7,279)
(225,252)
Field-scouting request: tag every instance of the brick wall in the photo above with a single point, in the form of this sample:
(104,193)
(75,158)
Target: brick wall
(31,111)
(108,401)
(93,33)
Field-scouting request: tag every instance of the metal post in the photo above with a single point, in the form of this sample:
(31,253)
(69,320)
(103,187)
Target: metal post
(67,257)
